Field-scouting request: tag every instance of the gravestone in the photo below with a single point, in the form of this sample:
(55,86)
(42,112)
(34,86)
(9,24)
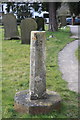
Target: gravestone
(27,25)
(37,100)
(10,26)
(40,23)
(63,20)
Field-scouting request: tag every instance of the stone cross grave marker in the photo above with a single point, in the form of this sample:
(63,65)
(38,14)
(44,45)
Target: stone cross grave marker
(10,26)
(37,100)
(27,25)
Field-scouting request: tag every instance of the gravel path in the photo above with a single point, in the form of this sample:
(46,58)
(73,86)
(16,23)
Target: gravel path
(68,64)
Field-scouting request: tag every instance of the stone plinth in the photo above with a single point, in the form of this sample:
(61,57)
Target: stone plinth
(23,104)
(37,100)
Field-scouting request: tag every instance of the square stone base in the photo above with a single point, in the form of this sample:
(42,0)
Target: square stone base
(41,106)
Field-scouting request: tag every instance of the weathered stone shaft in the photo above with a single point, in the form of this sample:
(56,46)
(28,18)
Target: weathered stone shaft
(37,86)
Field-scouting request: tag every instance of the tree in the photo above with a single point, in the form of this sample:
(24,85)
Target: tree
(10,5)
(52,7)
(36,6)
(52,17)
(74,7)
(21,9)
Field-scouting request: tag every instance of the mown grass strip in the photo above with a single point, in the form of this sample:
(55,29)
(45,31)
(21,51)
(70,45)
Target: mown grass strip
(77,53)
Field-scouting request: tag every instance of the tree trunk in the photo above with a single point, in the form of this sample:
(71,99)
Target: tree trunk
(53,26)
(73,20)
(8,8)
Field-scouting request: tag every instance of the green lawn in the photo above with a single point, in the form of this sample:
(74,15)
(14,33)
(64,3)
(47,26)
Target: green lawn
(16,68)
(0,74)
(77,53)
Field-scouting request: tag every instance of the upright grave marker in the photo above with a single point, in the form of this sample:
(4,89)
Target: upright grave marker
(10,26)
(37,66)
(27,25)
(37,100)
(63,20)
(40,23)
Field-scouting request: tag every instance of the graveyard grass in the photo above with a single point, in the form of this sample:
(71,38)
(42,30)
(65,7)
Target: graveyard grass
(16,69)
(77,53)
(0,75)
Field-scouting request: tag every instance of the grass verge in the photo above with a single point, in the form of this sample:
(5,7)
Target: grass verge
(16,68)
(0,75)
(77,53)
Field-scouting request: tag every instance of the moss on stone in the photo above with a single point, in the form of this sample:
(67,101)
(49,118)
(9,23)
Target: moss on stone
(27,25)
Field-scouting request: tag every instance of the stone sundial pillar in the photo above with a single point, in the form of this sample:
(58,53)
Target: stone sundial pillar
(37,65)
(37,100)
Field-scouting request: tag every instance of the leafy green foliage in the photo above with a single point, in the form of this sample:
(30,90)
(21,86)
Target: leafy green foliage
(36,6)
(45,5)
(10,5)
(74,7)
(22,10)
